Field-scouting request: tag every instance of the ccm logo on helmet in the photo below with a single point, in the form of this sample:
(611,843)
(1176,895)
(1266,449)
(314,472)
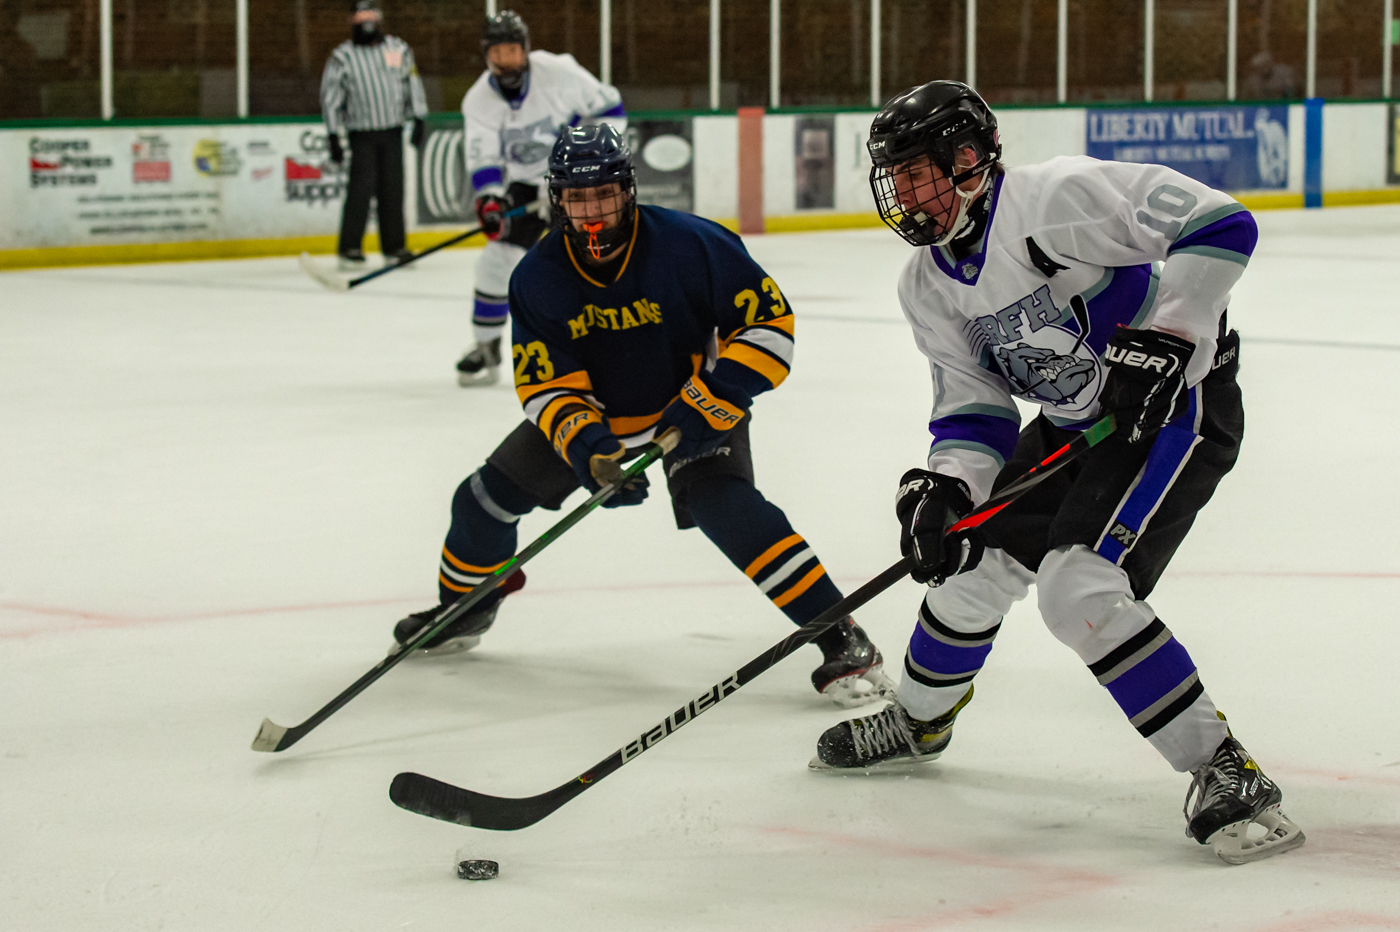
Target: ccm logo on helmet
(580,169)
(1138,360)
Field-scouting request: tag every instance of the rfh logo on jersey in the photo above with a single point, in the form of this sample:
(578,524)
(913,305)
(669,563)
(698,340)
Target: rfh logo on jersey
(1042,359)
(681,716)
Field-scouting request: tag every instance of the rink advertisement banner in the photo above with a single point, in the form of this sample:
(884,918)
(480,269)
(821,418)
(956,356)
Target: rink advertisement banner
(118,185)
(444,196)
(663,154)
(1392,164)
(1231,148)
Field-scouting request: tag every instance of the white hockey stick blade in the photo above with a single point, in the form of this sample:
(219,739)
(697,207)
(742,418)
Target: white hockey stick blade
(326,279)
(269,733)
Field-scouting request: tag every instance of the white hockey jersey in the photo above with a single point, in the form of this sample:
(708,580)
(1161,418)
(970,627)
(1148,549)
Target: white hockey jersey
(998,324)
(510,140)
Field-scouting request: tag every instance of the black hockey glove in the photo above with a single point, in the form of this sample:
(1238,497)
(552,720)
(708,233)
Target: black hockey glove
(927,504)
(1146,383)
(489,211)
(336,152)
(419,134)
(704,412)
(595,455)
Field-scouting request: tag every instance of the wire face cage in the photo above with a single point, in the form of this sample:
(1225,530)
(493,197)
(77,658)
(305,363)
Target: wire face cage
(915,199)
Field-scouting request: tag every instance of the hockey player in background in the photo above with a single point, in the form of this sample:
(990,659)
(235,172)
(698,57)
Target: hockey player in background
(1039,283)
(629,321)
(513,114)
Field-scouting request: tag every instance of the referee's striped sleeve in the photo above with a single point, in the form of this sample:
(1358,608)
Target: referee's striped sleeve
(415,101)
(333,94)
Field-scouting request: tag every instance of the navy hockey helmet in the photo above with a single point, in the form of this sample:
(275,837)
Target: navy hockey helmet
(929,127)
(593,188)
(506,26)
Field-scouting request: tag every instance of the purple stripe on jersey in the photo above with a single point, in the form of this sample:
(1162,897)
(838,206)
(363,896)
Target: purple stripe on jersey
(937,657)
(1118,303)
(1168,455)
(615,110)
(485,176)
(1237,233)
(1151,678)
(999,433)
(575,120)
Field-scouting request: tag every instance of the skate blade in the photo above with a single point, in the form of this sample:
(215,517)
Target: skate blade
(1233,844)
(896,765)
(445,649)
(861,688)
(488,376)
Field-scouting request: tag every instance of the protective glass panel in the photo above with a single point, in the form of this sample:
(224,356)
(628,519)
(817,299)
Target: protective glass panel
(1105,41)
(920,42)
(743,53)
(1016,51)
(173,58)
(562,26)
(1349,48)
(1191,50)
(661,54)
(49,66)
(826,53)
(1273,49)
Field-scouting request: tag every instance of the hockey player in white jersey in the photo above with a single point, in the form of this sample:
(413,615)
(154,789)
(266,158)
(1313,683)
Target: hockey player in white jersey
(1042,283)
(514,113)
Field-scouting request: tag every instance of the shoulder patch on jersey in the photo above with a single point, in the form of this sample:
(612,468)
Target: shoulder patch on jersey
(1048,267)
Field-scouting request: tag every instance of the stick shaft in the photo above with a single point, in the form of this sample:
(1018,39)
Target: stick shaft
(462,606)
(468,234)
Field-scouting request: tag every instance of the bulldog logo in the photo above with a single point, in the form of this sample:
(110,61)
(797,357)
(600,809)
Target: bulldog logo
(1041,374)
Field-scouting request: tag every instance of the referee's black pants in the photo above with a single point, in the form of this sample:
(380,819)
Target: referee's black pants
(376,171)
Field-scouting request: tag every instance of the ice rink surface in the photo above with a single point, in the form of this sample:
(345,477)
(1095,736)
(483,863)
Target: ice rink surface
(220,486)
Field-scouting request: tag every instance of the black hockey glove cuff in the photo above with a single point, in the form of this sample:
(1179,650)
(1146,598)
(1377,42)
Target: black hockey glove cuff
(927,504)
(706,410)
(1146,383)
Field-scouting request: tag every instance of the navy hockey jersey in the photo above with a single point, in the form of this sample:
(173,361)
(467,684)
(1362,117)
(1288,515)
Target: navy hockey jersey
(687,298)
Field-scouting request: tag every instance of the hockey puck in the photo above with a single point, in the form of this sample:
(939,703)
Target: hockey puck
(478,870)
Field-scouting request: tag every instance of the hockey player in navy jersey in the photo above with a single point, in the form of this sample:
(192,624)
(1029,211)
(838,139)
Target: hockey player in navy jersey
(513,114)
(1040,283)
(629,321)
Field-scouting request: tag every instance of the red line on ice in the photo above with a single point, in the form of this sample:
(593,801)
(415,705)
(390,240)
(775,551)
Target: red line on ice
(1336,919)
(1048,882)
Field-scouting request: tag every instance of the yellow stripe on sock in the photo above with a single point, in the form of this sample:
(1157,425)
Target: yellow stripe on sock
(801,587)
(452,585)
(769,555)
(468,568)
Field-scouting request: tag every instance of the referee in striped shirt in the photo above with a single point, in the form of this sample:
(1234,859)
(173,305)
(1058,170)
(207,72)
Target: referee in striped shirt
(371,88)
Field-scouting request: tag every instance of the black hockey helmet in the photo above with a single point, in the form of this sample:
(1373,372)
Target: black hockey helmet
(366,18)
(506,26)
(591,157)
(936,121)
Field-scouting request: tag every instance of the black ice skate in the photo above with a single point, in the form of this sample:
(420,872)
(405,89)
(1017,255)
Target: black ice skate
(852,671)
(481,365)
(463,633)
(1230,794)
(888,737)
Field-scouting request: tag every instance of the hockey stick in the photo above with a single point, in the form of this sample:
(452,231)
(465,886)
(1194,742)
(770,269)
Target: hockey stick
(274,737)
(439,800)
(336,283)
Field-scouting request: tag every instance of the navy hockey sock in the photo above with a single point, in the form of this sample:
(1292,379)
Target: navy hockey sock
(485,510)
(756,537)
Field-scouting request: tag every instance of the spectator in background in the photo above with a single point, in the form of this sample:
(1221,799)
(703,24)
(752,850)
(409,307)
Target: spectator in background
(371,89)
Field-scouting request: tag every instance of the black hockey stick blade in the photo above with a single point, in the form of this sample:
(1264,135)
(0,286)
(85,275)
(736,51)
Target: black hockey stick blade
(439,800)
(273,737)
(334,282)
